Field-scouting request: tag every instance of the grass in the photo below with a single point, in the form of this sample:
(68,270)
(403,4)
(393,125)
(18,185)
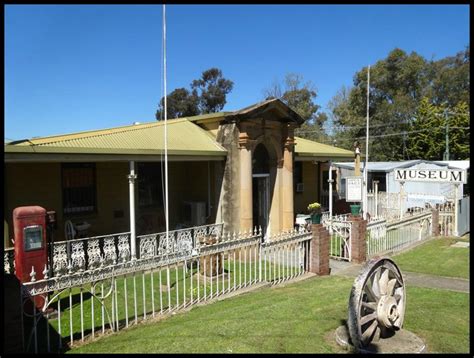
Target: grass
(440,318)
(284,319)
(298,318)
(436,257)
(180,292)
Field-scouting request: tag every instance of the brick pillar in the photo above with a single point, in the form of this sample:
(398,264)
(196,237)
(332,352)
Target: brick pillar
(435,222)
(319,250)
(358,243)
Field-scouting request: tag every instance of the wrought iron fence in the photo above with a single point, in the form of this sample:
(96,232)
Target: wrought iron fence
(384,237)
(446,219)
(98,292)
(9,260)
(376,237)
(340,237)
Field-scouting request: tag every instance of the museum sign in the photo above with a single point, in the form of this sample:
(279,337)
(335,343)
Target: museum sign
(431,175)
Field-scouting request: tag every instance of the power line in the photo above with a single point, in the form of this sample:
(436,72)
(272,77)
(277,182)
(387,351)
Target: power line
(375,126)
(407,132)
(404,133)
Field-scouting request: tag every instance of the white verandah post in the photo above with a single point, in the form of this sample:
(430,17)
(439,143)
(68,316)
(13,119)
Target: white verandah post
(401,196)
(330,180)
(376,199)
(131,188)
(456,209)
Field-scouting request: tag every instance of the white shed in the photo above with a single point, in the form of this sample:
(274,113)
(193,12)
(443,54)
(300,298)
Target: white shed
(384,173)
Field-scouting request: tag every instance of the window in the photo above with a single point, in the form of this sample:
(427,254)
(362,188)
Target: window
(326,178)
(149,185)
(78,186)
(33,237)
(380,177)
(297,173)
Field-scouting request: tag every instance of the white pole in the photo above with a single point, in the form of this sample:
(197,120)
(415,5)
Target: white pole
(366,147)
(401,197)
(168,278)
(166,129)
(330,180)
(376,198)
(456,209)
(330,190)
(131,190)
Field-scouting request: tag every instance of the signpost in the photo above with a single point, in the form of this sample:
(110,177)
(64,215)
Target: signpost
(432,175)
(354,188)
(455,176)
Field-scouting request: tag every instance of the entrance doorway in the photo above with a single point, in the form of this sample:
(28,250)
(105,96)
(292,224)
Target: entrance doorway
(261,188)
(261,203)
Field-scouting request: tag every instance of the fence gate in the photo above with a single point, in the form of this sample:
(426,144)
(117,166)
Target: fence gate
(340,232)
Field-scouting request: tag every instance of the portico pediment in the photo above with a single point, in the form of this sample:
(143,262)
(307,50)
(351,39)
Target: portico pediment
(272,110)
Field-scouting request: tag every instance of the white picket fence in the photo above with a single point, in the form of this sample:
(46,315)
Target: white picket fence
(96,287)
(384,237)
(446,219)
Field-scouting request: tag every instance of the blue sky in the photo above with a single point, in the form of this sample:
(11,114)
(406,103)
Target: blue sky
(72,68)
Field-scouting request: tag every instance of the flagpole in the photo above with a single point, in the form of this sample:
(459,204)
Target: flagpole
(366,174)
(166,127)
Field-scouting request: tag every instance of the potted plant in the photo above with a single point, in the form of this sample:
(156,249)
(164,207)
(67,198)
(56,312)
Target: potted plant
(355,209)
(315,212)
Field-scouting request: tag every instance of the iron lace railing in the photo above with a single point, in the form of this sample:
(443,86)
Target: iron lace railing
(81,304)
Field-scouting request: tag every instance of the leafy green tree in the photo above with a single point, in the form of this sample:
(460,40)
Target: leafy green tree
(207,95)
(398,85)
(427,137)
(450,78)
(212,90)
(300,97)
(180,103)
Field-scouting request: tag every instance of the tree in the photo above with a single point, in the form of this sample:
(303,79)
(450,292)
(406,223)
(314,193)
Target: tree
(207,95)
(180,103)
(212,89)
(300,97)
(398,85)
(451,79)
(427,137)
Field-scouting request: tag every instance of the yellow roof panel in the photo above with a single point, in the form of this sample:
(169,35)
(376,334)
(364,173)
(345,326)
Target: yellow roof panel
(309,148)
(184,138)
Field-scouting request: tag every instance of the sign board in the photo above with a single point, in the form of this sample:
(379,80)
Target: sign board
(354,188)
(432,175)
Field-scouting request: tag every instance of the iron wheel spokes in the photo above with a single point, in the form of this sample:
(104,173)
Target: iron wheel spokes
(377,302)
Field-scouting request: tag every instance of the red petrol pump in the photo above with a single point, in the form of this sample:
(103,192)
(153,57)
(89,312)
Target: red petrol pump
(31,249)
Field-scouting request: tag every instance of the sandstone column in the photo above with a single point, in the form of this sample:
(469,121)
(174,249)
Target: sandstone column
(287,181)
(246,214)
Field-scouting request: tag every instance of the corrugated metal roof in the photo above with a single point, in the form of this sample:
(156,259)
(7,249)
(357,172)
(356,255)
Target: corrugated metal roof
(309,148)
(184,138)
(460,164)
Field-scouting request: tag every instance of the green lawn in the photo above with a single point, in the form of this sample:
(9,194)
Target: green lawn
(183,288)
(300,317)
(436,257)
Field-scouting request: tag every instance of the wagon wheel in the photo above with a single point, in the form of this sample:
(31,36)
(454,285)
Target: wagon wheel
(376,302)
